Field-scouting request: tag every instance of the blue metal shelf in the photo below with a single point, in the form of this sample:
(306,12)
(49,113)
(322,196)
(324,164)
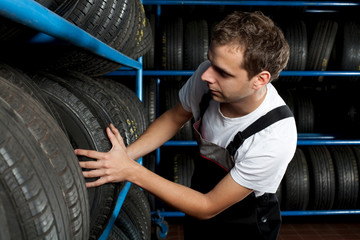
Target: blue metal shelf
(130,72)
(283,213)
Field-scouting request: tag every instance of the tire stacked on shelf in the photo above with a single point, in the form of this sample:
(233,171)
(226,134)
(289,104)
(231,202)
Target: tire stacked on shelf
(350,58)
(321,45)
(124,96)
(322,178)
(134,218)
(42,187)
(296,184)
(301,104)
(296,35)
(173,59)
(87,106)
(121,24)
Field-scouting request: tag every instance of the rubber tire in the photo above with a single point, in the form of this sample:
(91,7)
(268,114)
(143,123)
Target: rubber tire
(322,178)
(136,206)
(296,184)
(346,173)
(117,234)
(21,80)
(127,99)
(124,223)
(183,169)
(85,130)
(104,102)
(56,166)
(196,43)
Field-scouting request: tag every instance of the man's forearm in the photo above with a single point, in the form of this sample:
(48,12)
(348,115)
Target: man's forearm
(160,131)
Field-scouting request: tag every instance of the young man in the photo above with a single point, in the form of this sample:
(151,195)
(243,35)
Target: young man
(239,168)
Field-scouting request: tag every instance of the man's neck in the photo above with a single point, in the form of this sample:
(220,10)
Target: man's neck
(245,106)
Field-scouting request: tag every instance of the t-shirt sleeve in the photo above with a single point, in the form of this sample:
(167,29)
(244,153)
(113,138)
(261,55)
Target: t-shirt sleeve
(263,165)
(190,94)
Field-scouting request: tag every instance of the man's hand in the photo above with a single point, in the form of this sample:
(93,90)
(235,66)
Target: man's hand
(109,166)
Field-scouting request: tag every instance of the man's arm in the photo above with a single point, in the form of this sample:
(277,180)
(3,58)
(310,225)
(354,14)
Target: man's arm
(203,206)
(117,166)
(160,131)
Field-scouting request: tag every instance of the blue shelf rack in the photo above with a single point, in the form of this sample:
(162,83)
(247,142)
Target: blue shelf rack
(50,27)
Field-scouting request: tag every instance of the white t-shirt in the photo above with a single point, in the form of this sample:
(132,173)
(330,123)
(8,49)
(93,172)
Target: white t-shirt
(261,161)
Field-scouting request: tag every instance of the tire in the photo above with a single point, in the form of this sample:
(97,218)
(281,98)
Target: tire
(141,39)
(296,35)
(347,177)
(149,56)
(321,45)
(124,223)
(183,169)
(4,227)
(149,161)
(137,208)
(117,234)
(304,113)
(356,150)
(322,178)
(21,80)
(296,184)
(172,44)
(85,130)
(172,87)
(55,199)
(196,43)
(150,98)
(350,59)
(127,99)
(104,102)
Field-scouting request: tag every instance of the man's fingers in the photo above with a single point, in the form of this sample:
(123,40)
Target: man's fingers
(89,153)
(96,183)
(116,132)
(115,141)
(93,173)
(115,137)
(90,164)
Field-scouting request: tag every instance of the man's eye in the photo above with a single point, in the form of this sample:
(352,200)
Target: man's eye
(224,74)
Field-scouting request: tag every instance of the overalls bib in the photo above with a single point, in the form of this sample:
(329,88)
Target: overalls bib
(253,217)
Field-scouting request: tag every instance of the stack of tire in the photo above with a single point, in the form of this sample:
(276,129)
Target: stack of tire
(44,117)
(322,178)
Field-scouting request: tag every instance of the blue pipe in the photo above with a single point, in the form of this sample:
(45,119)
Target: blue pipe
(283,213)
(139,81)
(130,72)
(119,203)
(306,142)
(36,16)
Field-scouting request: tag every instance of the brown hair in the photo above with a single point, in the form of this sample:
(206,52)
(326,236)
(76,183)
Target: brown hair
(264,44)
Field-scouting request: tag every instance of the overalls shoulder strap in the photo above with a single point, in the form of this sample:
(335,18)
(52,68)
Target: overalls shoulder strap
(261,123)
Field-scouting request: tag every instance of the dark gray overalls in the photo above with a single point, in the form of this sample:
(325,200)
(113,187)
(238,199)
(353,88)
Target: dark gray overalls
(253,217)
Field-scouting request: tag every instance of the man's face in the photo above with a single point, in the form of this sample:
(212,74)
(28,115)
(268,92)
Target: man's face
(228,82)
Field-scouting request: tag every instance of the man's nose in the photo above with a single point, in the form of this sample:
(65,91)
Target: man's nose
(208,75)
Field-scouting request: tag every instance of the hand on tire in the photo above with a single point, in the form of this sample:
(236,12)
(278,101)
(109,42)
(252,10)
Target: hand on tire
(109,166)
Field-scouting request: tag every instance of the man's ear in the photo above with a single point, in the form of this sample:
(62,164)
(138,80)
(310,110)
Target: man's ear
(261,79)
